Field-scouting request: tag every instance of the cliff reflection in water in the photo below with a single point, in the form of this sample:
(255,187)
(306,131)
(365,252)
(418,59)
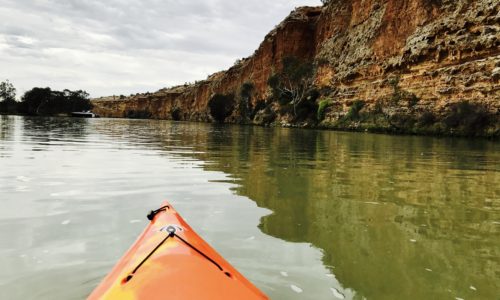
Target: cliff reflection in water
(396,217)
(393,217)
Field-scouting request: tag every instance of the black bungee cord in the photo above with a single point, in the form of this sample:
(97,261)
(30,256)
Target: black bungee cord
(171,233)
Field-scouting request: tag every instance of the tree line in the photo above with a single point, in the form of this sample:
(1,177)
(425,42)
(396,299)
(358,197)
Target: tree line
(42,101)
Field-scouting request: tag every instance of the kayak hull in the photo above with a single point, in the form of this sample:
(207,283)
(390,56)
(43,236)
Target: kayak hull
(170,261)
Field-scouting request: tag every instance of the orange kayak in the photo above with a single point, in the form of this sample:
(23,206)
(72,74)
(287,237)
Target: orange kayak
(170,261)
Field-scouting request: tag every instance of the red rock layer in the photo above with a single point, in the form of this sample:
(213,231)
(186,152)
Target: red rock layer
(443,51)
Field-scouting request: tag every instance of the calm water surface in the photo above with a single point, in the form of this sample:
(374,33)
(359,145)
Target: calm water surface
(303,214)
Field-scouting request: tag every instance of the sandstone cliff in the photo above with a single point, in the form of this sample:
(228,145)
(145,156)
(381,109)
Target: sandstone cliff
(412,66)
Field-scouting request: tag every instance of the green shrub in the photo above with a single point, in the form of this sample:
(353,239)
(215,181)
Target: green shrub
(394,82)
(307,108)
(323,105)
(221,106)
(312,95)
(379,107)
(468,118)
(285,109)
(401,122)
(356,107)
(246,89)
(427,118)
(273,82)
(413,100)
(284,99)
(245,99)
(397,94)
(259,105)
(176,114)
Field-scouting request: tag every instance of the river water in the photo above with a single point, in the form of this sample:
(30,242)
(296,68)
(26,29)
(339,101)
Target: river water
(303,214)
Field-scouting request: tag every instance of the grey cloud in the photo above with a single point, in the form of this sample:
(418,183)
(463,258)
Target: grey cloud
(167,41)
(19,41)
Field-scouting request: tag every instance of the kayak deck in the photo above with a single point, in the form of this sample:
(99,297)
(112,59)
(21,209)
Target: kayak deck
(170,261)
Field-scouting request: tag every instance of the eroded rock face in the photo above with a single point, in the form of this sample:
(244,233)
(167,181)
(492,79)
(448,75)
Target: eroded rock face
(440,52)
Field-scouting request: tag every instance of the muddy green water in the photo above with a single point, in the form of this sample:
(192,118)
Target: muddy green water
(303,214)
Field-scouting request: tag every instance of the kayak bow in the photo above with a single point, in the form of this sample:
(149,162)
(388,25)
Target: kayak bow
(170,261)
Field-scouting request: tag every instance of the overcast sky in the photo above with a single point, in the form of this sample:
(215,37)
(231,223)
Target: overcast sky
(127,46)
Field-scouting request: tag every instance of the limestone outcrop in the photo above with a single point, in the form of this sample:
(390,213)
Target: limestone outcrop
(408,66)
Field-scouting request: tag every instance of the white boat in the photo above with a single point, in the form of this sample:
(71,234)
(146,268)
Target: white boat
(84,114)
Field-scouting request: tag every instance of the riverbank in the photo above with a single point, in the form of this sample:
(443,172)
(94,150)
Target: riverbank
(462,119)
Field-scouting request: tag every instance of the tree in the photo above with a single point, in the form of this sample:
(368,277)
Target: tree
(34,100)
(44,101)
(78,100)
(293,82)
(221,106)
(7,91)
(245,97)
(7,97)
